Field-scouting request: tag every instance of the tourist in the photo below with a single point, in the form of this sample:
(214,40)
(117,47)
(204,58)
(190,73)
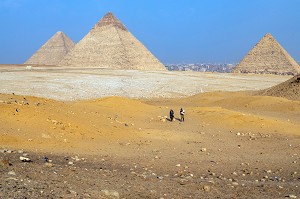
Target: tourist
(171,115)
(182,115)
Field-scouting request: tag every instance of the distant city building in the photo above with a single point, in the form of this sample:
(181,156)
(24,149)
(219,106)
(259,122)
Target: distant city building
(203,67)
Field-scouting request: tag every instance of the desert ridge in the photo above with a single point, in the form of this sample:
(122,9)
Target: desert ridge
(36,123)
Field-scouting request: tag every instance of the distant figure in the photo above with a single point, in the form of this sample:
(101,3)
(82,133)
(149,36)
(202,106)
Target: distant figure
(182,115)
(171,115)
(46,159)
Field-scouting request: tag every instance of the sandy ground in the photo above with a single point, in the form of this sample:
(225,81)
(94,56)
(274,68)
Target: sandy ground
(75,83)
(231,145)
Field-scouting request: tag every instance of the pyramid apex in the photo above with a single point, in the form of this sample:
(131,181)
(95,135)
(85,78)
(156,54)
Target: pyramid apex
(59,33)
(110,20)
(268,35)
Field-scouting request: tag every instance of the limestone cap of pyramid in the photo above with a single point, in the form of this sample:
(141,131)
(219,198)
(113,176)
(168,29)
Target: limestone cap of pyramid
(110,20)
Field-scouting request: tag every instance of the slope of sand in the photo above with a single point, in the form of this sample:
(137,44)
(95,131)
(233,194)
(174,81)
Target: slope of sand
(289,89)
(227,146)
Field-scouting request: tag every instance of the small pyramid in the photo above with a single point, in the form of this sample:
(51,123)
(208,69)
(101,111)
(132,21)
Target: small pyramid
(289,89)
(268,57)
(110,45)
(53,51)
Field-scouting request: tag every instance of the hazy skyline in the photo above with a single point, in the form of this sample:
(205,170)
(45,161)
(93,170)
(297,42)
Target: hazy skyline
(174,31)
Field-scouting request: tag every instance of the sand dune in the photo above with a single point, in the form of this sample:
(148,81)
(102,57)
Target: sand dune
(43,124)
(224,133)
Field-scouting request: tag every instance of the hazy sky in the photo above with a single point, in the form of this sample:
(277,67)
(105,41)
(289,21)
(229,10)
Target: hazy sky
(176,31)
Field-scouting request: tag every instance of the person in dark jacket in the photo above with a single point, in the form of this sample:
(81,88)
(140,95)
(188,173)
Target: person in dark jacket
(171,115)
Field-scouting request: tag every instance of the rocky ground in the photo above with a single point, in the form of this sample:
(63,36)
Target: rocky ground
(198,173)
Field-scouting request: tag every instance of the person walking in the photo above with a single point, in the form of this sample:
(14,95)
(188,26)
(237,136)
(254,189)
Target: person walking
(182,115)
(171,115)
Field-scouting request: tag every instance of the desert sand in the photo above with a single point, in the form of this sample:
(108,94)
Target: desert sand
(233,144)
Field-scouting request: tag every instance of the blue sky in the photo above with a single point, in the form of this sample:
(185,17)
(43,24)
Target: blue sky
(215,31)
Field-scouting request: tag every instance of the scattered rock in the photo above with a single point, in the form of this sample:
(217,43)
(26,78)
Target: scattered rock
(206,188)
(110,194)
(72,192)
(47,164)
(203,149)
(11,173)
(9,151)
(292,196)
(24,159)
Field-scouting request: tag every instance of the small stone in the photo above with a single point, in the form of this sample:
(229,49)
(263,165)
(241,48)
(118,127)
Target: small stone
(235,183)
(20,151)
(178,165)
(206,188)
(203,149)
(9,151)
(71,163)
(12,173)
(292,196)
(47,164)
(72,192)
(24,159)
(110,194)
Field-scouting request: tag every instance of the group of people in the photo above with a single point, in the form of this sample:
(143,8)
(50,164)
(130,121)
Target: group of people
(181,112)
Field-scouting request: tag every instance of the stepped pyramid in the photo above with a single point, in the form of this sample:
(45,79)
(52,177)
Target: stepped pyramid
(110,45)
(53,51)
(268,57)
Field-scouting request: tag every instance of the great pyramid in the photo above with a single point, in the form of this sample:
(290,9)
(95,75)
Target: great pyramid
(110,45)
(53,51)
(289,89)
(268,57)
